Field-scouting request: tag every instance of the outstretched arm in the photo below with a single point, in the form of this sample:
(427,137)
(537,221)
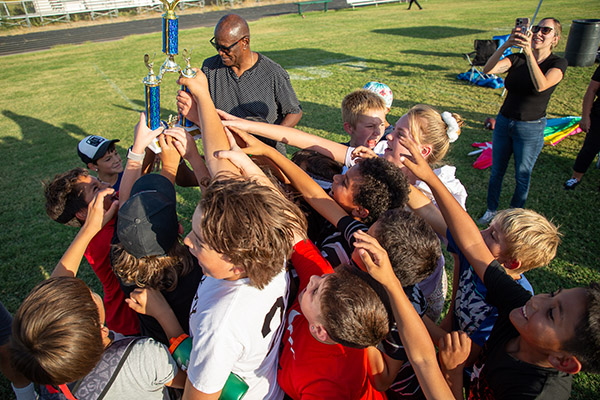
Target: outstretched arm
(213,135)
(461,226)
(291,136)
(310,190)
(418,346)
(96,218)
(143,136)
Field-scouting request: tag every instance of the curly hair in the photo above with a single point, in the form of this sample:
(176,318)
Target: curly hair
(56,333)
(382,186)
(355,315)
(251,224)
(529,236)
(156,272)
(585,343)
(428,127)
(64,197)
(411,244)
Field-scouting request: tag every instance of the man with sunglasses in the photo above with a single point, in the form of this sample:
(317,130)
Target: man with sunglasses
(245,83)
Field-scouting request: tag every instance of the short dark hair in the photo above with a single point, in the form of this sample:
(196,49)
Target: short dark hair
(383,186)
(251,224)
(64,197)
(317,165)
(585,343)
(56,333)
(156,272)
(353,312)
(411,244)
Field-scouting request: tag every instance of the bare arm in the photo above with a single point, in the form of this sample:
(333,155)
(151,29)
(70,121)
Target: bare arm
(291,120)
(425,208)
(213,135)
(494,64)
(310,190)
(461,226)
(586,108)
(291,136)
(96,218)
(382,369)
(540,80)
(143,136)
(418,346)
(186,145)
(169,156)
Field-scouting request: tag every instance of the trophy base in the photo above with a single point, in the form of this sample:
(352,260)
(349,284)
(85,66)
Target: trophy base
(169,66)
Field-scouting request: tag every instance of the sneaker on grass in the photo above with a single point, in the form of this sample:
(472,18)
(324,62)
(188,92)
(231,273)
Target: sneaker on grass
(487,217)
(571,184)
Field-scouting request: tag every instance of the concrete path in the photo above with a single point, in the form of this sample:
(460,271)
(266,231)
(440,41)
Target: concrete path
(36,41)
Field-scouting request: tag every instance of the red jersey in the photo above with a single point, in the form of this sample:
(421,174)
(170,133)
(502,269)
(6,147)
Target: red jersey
(309,369)
(119,317)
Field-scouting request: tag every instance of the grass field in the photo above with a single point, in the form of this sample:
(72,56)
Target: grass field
(52,99)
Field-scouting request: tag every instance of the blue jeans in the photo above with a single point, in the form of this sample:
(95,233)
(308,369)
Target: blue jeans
(523,138)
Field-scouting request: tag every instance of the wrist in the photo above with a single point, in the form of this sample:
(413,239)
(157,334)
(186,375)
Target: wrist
(135,153)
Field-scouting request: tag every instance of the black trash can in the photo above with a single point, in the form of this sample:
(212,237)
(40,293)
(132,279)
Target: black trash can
(582,46)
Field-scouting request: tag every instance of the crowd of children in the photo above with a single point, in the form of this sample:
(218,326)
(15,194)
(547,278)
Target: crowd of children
(320,277)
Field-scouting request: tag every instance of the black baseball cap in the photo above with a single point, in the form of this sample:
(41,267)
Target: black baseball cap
(147,223)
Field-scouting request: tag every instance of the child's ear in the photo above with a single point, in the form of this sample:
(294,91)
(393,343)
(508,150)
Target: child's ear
(92,166)
(565,363)
(180,229)
(319,332)
(514,264)
(426,151)
(348,128)
(81,214)
(360,213)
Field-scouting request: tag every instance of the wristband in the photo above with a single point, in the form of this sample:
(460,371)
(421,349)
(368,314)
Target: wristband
(135,156)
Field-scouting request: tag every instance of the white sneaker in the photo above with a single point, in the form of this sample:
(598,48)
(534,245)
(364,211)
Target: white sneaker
(487,217)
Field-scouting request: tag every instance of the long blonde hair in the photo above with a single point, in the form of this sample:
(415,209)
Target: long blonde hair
(432,130)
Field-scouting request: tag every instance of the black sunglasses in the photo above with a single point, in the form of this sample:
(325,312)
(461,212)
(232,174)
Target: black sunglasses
(224,49)
(545,29)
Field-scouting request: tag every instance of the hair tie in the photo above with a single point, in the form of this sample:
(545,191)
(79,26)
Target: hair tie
(453,129)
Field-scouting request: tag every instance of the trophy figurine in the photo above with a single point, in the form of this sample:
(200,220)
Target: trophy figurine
(152,84)
(170,37)
(187,72)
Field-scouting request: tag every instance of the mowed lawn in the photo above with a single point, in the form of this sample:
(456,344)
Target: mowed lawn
(52,99)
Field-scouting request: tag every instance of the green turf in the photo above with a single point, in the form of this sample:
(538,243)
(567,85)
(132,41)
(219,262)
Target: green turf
(52,99)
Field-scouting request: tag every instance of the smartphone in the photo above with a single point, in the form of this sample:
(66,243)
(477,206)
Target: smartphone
(522,25)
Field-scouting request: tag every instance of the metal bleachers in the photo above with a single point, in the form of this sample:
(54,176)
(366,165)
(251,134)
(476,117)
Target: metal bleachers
(23,12)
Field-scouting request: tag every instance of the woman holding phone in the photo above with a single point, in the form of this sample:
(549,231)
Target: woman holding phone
(532,76)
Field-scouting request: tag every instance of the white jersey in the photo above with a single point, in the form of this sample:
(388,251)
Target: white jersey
(237,328)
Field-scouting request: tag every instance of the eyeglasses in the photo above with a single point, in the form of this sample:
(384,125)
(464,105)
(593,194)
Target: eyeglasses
(545,29)
(224,49)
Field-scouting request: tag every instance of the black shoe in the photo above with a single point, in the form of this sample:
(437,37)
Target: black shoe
(571,184)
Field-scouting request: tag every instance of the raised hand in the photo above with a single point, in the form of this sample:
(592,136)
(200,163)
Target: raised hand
(148,301)
(375,258)
(143,135)
(454,350)
(195,85)
(361,153)
(101,209)
(184,143)
(186,106)
(415,163)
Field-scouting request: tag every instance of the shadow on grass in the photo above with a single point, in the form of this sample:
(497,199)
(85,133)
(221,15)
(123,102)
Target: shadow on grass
(431,53)
(429,32)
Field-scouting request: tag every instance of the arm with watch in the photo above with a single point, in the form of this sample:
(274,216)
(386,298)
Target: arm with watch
(143,136)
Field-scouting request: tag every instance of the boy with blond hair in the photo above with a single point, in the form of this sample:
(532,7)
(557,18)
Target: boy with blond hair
(538,342)
(519,239)
(363,115)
